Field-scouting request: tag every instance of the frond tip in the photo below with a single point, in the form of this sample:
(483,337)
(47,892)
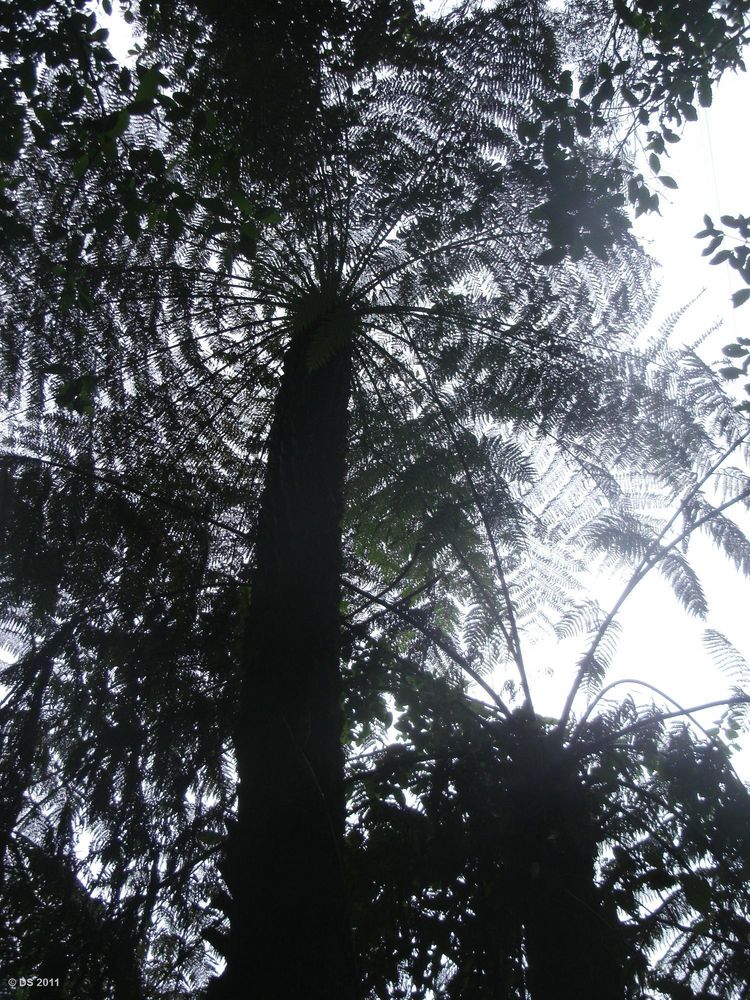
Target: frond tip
(726,656)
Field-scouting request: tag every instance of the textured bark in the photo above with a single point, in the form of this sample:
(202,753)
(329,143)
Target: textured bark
(290,934)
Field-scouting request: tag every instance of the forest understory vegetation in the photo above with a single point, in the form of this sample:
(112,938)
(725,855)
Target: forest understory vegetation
(324,397)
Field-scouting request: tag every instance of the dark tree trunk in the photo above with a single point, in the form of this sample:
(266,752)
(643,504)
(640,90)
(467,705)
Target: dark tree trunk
(575,946)
(290,935)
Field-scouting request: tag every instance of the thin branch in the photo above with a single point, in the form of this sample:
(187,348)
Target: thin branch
(437,636)
(515,645)
(625,680)
(647,563)
(662,716)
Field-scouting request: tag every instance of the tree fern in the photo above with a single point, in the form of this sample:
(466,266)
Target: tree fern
(159,347)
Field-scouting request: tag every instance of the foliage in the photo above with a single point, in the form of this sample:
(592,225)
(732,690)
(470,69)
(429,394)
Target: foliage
(737,355)
(468,821)
(667,813)
(641,69)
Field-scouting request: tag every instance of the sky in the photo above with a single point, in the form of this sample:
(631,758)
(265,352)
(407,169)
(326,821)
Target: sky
(710,165)
(660,643)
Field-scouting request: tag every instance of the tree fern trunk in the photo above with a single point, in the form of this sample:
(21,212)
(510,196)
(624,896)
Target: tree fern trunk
(575,946)
(290,935)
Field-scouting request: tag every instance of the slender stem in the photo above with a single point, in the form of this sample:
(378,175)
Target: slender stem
(388,223)
(647,563)
(614,684)
(469,241)
(515,646)
(403,573)
(662,716)
(515,652)
(441,640)
(125,488)
(735,942)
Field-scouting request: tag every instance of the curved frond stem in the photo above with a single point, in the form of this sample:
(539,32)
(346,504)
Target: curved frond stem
(650,796)
(659,717)
(647,563)
(510,331)
(625,680)
(479,584)
(441,640)
(515,648)
(699,931)
(470,241)
(399,578)
(670,849)
(401,601)
(390,222)
(225,400)
(398,400)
